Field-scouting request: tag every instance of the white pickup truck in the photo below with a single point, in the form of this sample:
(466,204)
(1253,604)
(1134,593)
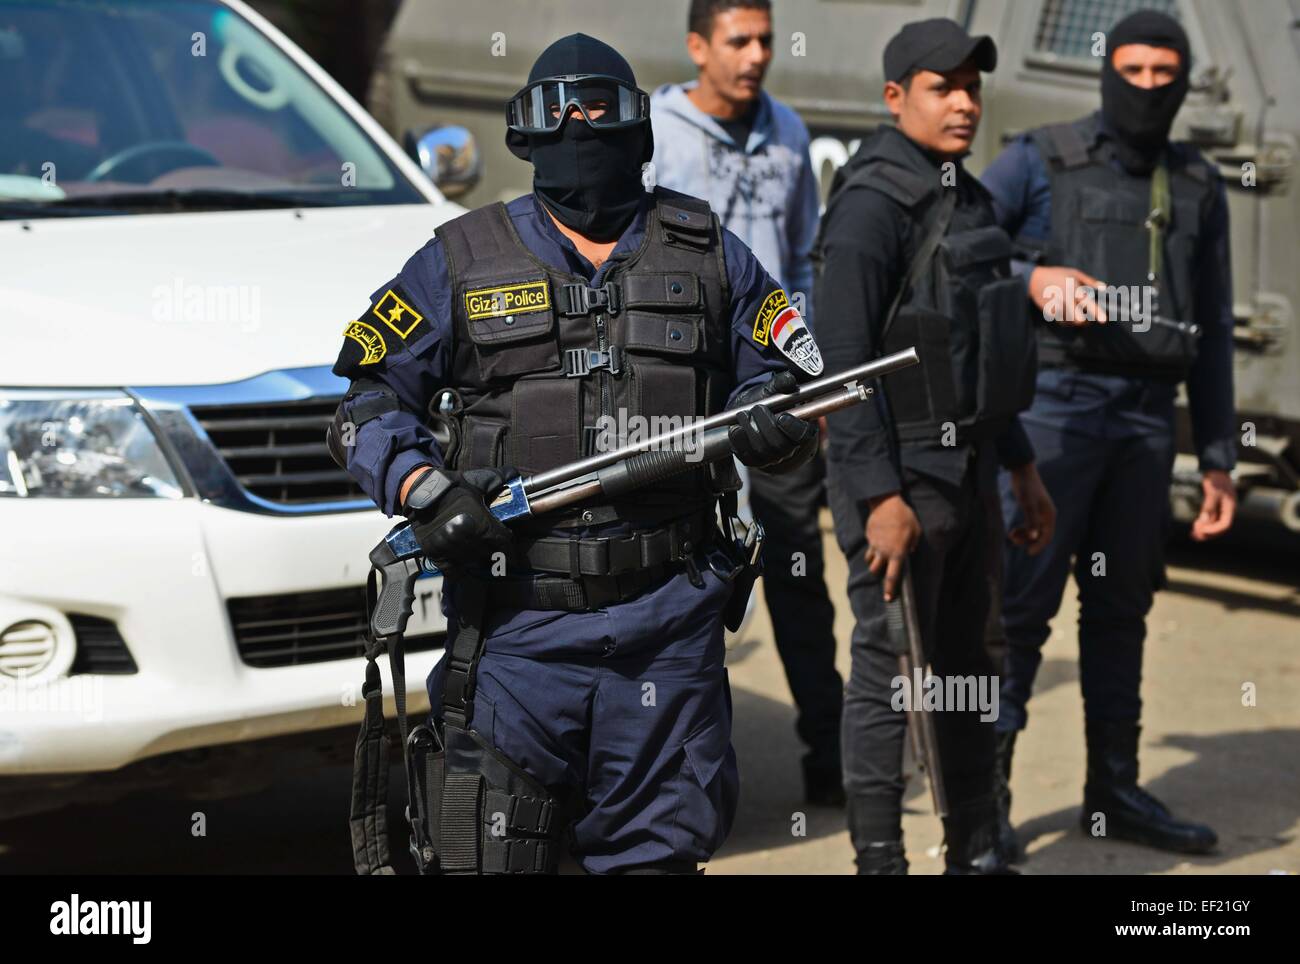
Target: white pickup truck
(190,212)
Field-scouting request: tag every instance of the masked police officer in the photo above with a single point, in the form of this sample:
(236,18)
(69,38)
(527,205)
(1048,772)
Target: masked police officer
(583,696)
(911,255)
(1109,197)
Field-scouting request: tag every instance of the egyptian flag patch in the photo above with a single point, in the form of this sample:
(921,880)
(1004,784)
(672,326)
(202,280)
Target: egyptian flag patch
(779,323)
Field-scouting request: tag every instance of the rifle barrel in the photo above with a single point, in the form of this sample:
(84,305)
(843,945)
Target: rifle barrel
(665,440)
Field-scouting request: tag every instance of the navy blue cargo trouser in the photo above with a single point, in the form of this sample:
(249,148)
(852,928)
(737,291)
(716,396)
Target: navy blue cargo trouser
(626,709)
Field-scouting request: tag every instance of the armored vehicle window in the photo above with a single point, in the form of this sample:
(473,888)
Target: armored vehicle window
(1066,27)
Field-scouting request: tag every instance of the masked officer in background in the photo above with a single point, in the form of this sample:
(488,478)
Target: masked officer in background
(1109,197)
(911,255)
(724,139)
(585,685)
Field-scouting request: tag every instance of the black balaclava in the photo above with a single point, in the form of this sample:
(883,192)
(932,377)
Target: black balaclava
(589,179)
(1140,119)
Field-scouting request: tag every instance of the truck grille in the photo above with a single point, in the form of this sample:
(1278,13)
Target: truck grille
(277,451)
(306,627)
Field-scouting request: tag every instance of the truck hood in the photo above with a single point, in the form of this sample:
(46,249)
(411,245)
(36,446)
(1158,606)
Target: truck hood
(193,298)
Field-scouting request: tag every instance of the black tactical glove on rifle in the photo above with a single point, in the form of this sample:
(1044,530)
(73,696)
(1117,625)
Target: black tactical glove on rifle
(450,517)
(773,443)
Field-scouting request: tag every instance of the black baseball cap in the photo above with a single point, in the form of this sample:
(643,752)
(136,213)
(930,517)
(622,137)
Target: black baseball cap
(939,45)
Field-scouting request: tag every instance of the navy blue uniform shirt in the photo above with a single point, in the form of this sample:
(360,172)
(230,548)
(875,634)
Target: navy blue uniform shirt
(1116,406)
(416,367)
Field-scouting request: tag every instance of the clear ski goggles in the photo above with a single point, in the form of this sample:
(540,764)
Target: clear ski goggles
(605,102)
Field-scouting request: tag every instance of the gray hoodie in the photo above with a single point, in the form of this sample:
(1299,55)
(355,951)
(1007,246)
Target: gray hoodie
(764,191)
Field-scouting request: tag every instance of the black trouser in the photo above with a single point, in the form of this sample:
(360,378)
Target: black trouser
(953,571)
(803,618)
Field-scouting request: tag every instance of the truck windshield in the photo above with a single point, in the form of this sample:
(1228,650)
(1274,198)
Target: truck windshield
(116,105)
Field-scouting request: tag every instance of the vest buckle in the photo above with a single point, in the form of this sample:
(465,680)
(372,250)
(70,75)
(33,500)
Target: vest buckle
(583,300)
(582,361)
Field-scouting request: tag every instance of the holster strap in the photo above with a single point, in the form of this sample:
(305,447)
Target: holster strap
(513,856)
(522,814)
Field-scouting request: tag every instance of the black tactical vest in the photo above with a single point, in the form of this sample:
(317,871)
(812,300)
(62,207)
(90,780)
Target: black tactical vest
(1099,225)
(547,370)
(957,304)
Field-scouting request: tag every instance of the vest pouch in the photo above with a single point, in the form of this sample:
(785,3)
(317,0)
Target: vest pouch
(659,390)
(969,260)
(661,334)
(922,397)
(1008,352)
(511,343)
(1107,237)
(662,396)
(545,418)
(482,443)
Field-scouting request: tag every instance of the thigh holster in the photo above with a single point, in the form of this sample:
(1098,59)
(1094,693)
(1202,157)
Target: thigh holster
(471,809)
(477,812)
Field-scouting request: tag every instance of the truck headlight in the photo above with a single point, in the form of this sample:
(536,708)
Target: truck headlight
(73,444)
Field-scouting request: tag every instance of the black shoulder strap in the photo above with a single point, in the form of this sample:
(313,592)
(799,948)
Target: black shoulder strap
(898,183)
(689,222)
(921,261)
(368,815)
(906,187)
(482,238)
(1064,145)
(1194,165)
(684,220)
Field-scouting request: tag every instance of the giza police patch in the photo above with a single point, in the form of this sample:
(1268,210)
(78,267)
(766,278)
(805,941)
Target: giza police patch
(779,323)
(503,300)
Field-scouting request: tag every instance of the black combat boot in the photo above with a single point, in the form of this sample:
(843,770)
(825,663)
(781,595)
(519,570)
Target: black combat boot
(823,786)
(876,829)
(1008,842)
(1130,812)
(882,858)
(970,832)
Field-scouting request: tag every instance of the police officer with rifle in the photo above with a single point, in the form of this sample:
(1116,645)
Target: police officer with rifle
(1125,237)
(582,702)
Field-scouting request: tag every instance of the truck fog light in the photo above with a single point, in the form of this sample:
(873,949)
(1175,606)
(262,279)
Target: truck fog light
(27,648)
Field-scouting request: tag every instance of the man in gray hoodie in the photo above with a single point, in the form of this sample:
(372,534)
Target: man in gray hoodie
(722,138)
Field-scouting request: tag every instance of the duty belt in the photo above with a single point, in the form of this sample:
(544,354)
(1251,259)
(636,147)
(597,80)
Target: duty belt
(583,594)
(582,574)
(618,554)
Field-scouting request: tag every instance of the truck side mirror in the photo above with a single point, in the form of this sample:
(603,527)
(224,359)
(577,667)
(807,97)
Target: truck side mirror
(449,155)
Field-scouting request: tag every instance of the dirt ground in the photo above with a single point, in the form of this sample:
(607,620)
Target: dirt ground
(1230,616)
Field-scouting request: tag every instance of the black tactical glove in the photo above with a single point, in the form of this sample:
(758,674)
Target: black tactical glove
(774,443)
(450,517)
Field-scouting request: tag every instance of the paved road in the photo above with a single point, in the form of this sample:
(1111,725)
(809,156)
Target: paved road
(1230,616)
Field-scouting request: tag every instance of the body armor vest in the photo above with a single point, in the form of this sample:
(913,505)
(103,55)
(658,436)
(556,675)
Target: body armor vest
(958,304)
(547,370)
(1100,223)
